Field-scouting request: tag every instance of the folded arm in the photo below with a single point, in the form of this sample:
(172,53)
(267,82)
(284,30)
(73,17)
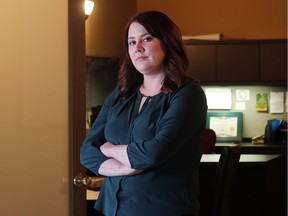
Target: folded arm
(118,162)
(113,167)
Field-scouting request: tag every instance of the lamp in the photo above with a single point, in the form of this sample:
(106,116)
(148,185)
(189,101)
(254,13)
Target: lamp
(88,7)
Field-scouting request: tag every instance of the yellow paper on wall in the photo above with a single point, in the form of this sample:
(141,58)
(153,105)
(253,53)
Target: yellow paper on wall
(262,102)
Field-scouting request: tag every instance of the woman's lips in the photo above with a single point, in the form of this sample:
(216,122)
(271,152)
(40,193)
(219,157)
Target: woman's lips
(140,58)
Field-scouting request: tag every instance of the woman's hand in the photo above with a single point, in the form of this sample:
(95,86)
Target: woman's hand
(106,149)
(119,163)
(118,152)
(112,167)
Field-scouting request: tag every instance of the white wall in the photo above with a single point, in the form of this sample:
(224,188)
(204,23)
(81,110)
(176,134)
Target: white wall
(34,108)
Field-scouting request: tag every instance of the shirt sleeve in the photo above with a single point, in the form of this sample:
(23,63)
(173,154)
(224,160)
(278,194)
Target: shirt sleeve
(90,155)
(182,123)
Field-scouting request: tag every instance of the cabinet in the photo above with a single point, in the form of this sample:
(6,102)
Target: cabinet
(254,62)
(237,62)
(202,62)
(273,61)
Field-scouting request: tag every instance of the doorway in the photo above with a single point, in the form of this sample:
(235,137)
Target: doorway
(76,30)
(122,11)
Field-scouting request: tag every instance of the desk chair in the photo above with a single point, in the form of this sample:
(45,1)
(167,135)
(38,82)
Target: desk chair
(224,180)
(208,141)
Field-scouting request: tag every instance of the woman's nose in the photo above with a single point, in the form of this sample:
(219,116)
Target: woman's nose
(139,47)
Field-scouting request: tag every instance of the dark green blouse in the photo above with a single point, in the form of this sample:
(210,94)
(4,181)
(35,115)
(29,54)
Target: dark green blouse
(163,139)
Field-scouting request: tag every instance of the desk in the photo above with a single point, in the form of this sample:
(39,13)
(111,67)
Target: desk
(91,195)
(207,158)
(259,189)
(249,148)
(244,158)
(260,185)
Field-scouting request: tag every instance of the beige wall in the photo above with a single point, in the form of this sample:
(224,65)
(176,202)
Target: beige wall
(104,27)
(34,108)
(243,19)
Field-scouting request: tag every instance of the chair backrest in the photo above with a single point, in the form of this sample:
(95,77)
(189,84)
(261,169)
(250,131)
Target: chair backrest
(208,141)
(224,180)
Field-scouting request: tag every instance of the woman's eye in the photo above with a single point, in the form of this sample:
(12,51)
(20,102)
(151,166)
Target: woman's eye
(131,43)
(147,39)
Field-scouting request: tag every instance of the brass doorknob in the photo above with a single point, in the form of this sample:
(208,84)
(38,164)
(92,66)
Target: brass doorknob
(93,183)
(81,180)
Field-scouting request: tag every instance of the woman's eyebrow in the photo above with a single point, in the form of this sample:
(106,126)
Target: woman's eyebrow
(132,37)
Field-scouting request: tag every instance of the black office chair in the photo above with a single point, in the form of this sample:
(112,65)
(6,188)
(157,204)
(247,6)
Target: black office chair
(224,180)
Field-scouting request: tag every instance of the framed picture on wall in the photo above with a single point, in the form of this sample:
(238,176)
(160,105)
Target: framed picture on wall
(228,126)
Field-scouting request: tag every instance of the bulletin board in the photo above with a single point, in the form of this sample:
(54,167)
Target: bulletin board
(228,126)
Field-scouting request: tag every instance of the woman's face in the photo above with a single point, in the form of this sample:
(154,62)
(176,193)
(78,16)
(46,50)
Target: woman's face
(145,51)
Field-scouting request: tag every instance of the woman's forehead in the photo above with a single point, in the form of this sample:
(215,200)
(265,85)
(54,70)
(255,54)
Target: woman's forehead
(136,30)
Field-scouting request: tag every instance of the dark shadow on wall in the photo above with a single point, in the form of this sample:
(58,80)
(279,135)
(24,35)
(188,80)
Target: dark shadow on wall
(101,78)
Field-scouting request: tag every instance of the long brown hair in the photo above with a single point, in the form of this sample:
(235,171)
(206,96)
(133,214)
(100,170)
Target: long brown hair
(175,62)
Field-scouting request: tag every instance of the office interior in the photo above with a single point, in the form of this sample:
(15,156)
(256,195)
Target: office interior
(254,121)
(35,95)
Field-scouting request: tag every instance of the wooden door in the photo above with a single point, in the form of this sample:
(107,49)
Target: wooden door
(77,131)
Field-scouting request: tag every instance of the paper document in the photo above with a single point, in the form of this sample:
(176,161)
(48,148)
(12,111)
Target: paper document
(219,98)
(276,102)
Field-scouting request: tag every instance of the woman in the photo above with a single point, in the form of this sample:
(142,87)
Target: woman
(146,139)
